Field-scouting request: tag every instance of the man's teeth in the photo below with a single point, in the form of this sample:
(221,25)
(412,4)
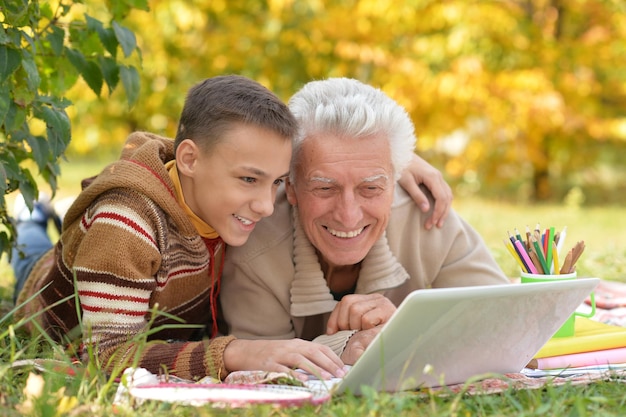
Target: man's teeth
(353,233)
(243,220)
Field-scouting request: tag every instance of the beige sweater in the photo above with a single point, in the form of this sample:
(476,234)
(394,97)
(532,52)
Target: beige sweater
(273,286)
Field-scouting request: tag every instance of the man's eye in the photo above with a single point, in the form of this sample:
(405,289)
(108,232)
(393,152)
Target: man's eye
(279,181)
(371,191)
(324,191)
(249,180)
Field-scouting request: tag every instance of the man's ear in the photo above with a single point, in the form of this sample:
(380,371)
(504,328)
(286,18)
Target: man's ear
(291,192)
(187,154)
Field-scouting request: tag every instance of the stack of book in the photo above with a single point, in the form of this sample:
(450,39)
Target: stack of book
(594,345)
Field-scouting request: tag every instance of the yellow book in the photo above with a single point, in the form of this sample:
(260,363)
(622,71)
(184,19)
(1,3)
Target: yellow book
(588,336)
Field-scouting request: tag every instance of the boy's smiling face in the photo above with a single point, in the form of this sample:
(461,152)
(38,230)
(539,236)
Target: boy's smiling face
(234,185)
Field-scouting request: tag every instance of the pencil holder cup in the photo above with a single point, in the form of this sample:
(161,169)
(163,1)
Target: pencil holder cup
(567,329)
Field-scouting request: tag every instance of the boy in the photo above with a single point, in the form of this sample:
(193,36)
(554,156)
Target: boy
(148,235)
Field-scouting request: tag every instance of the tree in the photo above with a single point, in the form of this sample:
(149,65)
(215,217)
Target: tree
(510,97)
(44,49)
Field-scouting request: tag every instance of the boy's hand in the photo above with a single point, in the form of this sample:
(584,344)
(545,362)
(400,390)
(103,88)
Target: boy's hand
(283,356)
(421,172)
(360,312)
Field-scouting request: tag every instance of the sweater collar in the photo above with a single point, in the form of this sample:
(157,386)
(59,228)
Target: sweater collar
(310,295)
(204,229)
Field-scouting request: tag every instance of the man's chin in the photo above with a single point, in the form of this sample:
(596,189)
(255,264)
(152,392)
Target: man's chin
(337,259)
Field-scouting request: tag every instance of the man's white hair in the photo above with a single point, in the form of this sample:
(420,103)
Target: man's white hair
(348,108)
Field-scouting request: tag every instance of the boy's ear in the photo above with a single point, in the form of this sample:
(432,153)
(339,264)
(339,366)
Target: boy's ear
(291,192)
(187,154)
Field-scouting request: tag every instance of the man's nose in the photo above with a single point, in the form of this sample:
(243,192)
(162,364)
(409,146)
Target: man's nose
(348,210)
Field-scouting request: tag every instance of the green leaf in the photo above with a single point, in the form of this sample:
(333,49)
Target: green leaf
(56,37)
(84,40)
(111,72)
(28,187)
(58,132)
(15,117)
(107,36)
(9,61)
(58,129)
(4,37)
(27,80)
(11,35)
(10,165)
(130,80)
(89,70)
(62,76)
(93,77)
(30,68)
(54,101)
(15,12)
(46,11)
(5,241)
(5,102)
(125,37)
(4,184)
(93,24)
(50,173)
(40,149)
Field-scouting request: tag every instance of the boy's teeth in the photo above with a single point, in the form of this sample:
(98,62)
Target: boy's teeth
(244,221)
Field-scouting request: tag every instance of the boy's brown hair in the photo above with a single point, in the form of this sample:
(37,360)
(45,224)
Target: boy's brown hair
(215,105)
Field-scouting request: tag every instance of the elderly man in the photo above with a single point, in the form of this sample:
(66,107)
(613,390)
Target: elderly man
(345,244)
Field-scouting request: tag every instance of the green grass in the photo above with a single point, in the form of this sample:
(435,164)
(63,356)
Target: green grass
(90,394)
(600,227)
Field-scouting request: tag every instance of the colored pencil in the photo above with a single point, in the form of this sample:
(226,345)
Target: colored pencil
(549,241)
(555,259)
(525,257)
(515,254)
(561,242)
(542,259)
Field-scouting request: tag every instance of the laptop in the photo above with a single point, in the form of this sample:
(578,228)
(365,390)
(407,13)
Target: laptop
(447,336)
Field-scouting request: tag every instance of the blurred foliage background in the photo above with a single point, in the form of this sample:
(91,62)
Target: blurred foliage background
(520,100)
(517,100)
(521,103)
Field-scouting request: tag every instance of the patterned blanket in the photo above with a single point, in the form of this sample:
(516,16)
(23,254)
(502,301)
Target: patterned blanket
(610,303)
(282,390)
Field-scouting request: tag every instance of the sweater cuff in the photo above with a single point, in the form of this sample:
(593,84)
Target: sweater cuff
(214,359)
(337,342)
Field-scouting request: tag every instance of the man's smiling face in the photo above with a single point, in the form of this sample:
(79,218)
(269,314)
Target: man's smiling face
(343,192)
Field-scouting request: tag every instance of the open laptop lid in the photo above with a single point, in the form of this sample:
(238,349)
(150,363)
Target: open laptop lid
(446,336)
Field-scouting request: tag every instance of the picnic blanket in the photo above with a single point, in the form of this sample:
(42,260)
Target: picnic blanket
(610,299)
(245,388)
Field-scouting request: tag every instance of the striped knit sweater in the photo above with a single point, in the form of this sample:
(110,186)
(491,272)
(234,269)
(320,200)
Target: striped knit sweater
(145,280)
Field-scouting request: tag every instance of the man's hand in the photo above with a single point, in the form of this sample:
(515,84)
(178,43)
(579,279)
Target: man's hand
(360,312)
(283,356)
(421,172)
(357,344)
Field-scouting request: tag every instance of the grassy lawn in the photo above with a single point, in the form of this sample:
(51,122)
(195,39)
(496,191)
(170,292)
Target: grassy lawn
(605,256)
